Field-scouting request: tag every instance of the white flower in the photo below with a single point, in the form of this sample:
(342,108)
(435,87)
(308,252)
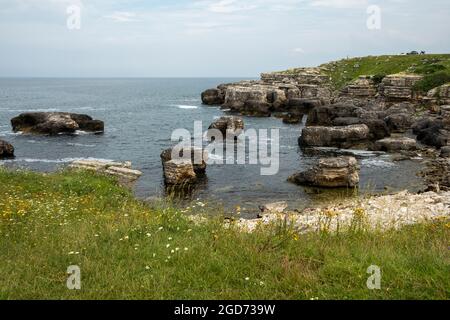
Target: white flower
(177,249)
(147,267)
(186,249)
(170,238)
(160,228)
(247,278)
(172,251)
(167,245)
(148,234)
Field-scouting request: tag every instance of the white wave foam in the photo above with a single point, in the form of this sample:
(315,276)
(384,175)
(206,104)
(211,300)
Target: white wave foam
(378,163)
(81,145)
(183,106)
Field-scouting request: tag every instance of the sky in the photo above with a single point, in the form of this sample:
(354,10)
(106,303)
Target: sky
(208,38)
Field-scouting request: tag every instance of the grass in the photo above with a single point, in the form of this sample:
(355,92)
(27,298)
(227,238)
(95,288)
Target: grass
(129,250)
(345,71)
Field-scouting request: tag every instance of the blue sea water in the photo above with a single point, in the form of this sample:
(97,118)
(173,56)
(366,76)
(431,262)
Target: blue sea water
(140,115)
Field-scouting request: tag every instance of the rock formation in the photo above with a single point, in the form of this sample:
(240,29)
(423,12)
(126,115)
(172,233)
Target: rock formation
(186,168)
(121,170)
(53,123)
(228,126)
(6,150)
(341,137)
(330,173)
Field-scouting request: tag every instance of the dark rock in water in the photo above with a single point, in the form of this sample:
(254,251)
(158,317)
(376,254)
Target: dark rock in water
(292,118)
(6,150)
(431,132)
(399,122)
(213,97)
(341,137)
(256,108)
(378,128)
(445,152)
(55,122)
(228,125)
(330,173)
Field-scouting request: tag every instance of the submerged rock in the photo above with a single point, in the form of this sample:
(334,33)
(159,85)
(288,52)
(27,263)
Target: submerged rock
(6,150)
(341,137)
(55,122)
(330,173)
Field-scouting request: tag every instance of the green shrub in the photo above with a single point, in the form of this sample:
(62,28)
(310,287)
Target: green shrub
(432,81)
(378,78)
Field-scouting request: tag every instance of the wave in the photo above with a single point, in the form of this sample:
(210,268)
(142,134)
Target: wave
(377,163)
(81,145)
(183,106)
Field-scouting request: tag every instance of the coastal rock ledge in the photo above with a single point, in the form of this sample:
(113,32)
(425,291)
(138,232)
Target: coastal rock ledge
(53,123)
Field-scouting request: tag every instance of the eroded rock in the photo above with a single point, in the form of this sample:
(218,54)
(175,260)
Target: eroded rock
(341,137)
(6,150)
(330,173)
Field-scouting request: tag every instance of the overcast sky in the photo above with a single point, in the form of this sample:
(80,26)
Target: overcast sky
(170,38)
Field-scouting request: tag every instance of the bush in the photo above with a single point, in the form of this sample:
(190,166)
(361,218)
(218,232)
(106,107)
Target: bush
(378,78)
(432,81)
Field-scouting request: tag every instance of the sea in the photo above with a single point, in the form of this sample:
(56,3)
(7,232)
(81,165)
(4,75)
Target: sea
(140,116)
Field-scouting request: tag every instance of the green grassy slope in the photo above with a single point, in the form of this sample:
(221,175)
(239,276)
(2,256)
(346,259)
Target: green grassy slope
(127,250)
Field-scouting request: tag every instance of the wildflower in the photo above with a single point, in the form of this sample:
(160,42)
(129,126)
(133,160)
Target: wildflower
(147,267)
(247,278)
(186,249)
(160,228)
(167,245)
(261,283)
(170,238)
(177,249)
(148,234)
(172,251)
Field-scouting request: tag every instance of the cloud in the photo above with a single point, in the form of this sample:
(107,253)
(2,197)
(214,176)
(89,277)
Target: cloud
(122,16)
(340,4)
(298,50)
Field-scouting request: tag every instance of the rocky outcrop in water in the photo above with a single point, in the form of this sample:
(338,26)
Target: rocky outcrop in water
(330,173)
(341,137)
(53,123)
(186,168)
(6,150)
(395,144)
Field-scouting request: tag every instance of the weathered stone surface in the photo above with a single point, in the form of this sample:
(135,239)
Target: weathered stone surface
(228,125)
(431,132)
(213,97)
(179,172)
(197,156)
(55,122)
(6,150)
(275,207)
(363,87)
(440,95)
(396,144)
(398,87)
(342,137)
(256,108)
(399,122)
(120,170)
(330,173)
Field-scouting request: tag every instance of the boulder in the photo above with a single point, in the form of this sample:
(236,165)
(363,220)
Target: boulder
(302,105)
(213,97)
(324,115)
(53,123)
(396,144)
(431,132)
(330,173)
(377,128)
(399,122)
(228,125)
(341,137)
(6,150)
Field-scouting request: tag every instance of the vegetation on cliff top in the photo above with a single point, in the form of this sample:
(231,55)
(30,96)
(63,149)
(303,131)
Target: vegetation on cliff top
(344,71)
(128,250)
